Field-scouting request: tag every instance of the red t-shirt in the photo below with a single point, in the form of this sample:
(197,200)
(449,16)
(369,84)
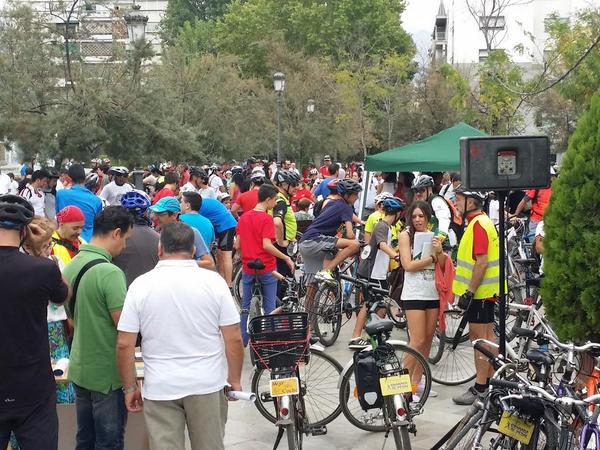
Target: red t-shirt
(300,193)
(540,200)
(164,192)
(480,238)
(248,200)
(324,170)
(251,229)
(185,177)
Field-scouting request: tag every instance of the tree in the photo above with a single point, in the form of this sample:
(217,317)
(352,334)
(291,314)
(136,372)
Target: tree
(572,236)
(180,12)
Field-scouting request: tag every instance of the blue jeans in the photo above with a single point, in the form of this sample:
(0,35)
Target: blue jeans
(268,287)
(101,419)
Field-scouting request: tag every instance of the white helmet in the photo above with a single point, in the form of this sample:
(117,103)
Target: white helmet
(381,197)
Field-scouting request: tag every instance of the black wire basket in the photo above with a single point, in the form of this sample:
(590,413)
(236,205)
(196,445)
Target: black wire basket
(386,359)
(279,341)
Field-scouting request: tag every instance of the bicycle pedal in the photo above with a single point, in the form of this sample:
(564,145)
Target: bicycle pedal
(318,431)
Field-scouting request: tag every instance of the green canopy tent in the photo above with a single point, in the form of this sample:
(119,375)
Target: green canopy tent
(437,153)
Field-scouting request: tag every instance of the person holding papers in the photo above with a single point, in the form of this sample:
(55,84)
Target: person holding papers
(420,250)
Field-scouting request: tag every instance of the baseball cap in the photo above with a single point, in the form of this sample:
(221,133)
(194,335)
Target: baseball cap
(166,204)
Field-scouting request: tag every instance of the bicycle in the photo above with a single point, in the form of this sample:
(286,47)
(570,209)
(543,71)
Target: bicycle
(395,407)
(292,378)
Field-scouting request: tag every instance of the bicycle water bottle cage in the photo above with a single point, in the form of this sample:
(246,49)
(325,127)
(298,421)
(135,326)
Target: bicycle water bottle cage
(256,264)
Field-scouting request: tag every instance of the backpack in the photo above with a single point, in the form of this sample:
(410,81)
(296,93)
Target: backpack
(366,376)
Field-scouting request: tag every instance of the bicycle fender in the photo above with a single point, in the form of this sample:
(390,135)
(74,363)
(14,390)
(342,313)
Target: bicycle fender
(317,346)
(396,342)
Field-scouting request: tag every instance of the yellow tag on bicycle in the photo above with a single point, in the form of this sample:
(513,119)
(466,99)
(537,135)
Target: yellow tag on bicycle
(516,428)
(284,386)
(396,384)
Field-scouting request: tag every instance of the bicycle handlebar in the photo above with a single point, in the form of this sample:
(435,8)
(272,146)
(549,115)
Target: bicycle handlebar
(567,401)
(539,335)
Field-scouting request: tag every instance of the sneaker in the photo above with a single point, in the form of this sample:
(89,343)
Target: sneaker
(358,343)
(420,388)
(325,275)
(468,397)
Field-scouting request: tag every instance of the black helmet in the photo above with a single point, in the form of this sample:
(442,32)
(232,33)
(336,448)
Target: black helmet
(199,172)
(348,187)
(477,195)
(422,182)
(286,176)
(15,212)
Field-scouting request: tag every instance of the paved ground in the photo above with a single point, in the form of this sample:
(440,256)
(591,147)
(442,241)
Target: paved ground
(248,430)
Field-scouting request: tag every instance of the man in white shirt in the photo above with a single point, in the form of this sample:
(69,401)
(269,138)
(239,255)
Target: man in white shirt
(114,190)
(194,184)
(5,184)
(215,181)
(192,347)
(33,191)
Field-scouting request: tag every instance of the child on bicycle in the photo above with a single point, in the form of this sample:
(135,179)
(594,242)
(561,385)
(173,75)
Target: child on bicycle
(256,234)
(320,238)
(375,260)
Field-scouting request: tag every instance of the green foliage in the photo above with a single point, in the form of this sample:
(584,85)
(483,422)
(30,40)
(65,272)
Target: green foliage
(179,12)
(572,240)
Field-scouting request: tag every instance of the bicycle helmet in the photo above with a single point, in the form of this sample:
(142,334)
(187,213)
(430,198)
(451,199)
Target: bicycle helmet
(422,182)
(222,196)
(348,187)
(393,205)
(53,173)
(258,176)
(15,212)
(313,172)
(119,170)
(236,170)
(294,177)
(285,176)
(91,181)
(135,201)
(381,197)
(197,172)
(477,195)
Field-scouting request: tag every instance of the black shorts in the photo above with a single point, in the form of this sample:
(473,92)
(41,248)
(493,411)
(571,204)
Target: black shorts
(481,311)
(225,240)
(408,305)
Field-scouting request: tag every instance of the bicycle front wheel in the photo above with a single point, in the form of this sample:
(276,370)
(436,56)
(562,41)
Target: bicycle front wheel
(373,419)
(454,366)
(318,386)
(328,313)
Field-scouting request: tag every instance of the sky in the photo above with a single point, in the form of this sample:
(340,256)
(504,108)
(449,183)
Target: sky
(418,20)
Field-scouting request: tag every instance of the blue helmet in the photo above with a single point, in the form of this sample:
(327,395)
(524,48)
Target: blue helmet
(348,187)
(135,201)
(393,205)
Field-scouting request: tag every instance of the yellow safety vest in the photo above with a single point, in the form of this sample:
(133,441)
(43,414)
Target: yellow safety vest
(490,285)
(61,251)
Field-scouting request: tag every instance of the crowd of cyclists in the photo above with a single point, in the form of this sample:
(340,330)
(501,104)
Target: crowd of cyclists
(263,211)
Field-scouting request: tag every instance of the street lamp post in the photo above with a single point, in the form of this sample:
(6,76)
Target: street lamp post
(279,85)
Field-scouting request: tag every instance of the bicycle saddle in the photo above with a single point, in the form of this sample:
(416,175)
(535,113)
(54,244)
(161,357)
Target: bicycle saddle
(375,327)
(539,357)
(256,264)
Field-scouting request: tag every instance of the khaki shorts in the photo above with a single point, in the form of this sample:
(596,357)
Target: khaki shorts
(204,415)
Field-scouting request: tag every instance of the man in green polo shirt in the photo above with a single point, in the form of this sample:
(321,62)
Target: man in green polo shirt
(95,311)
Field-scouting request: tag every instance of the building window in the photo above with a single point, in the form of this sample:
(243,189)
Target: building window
(483,54)
(492,22)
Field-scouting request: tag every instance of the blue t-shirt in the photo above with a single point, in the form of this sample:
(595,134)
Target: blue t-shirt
(322,188)
(335,213)
(218,214)
(200,245)
(83,198)
(200,223)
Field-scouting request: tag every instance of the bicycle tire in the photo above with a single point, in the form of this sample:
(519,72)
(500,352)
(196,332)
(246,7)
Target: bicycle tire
(351,408)
(400,432)
(437,349)
(291,430)
(237,287)
(455,366)
(467,425)
(395,313)
(317,378)
(328,320)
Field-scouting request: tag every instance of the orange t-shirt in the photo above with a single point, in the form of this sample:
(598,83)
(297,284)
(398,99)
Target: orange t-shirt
(540,198)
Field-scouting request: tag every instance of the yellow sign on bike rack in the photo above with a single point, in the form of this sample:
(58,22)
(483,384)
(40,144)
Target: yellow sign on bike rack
(396,384)
(284,386)
(515,427)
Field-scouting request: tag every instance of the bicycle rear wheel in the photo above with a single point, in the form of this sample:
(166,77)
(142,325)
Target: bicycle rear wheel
(400,432)
(294,437)
(237,286)
(454,366)
(373,419)
(318,383)
(328,320)
(395,313)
